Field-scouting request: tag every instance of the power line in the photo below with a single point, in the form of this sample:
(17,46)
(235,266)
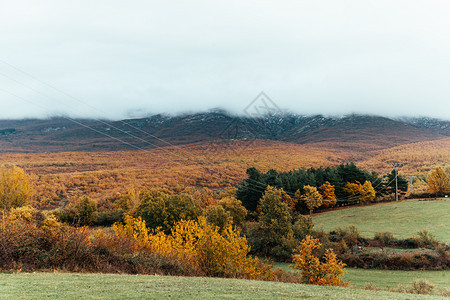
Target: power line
(127,143)
(260,184)
(261,188)
(110,125)
(95,130)
(396,166)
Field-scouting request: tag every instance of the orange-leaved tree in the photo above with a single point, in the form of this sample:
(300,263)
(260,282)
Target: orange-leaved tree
(314,271)
(328,195)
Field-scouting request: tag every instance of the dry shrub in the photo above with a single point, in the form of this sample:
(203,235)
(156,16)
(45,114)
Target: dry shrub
(349,234)
(385,238)
(444,292)
(422,286)
(194,248)
(426,239)
(419,286)
(401,288)
(284,276)
(397,261)
(47,245)
(198,246)
(29,246)
(371,287)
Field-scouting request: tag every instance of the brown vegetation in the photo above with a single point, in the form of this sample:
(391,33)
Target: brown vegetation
(66,176)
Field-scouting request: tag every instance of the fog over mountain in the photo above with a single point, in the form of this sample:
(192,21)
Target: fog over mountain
(353,132)
(114,59)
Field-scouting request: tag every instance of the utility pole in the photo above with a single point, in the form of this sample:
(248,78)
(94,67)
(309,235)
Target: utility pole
(411,184)
(396,166)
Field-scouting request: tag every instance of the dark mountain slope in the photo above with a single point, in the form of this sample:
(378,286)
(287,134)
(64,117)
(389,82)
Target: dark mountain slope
(368,132)
(354,132)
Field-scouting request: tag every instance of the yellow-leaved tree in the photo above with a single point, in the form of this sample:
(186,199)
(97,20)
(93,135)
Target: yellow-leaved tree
(439,182)
(360,192)
(353,189)
(314,271)
(312,197)
(16,188)
(367,192)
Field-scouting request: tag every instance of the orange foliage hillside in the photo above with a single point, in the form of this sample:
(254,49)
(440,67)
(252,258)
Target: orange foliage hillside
(103,175)
(419,158)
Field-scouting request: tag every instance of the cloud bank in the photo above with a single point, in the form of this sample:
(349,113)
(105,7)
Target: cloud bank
(116,59)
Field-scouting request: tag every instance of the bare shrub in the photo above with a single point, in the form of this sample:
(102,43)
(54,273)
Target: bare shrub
(444,292)
(419,286)
(370,286)
(422,286)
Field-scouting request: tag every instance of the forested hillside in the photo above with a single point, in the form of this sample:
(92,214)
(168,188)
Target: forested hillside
(352,133)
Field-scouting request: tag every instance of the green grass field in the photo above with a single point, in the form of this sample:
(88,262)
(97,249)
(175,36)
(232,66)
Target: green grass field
(391,279)
(387,278)
(403,219)
(101,286)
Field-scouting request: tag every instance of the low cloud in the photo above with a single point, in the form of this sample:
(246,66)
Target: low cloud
(115,59)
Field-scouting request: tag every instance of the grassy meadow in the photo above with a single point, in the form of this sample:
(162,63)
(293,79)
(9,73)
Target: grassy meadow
(103,286)
(386,278)
(403,219)
(391,279)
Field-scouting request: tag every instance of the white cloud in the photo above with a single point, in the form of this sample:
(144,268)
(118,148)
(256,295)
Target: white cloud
(332,57)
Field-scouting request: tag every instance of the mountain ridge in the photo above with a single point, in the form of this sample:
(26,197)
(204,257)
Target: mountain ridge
(358,132)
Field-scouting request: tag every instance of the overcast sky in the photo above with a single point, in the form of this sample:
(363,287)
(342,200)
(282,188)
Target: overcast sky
(117,59)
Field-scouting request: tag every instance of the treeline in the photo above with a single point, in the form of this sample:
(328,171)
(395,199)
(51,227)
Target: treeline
(338,185)
(159,208)
(303,190)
